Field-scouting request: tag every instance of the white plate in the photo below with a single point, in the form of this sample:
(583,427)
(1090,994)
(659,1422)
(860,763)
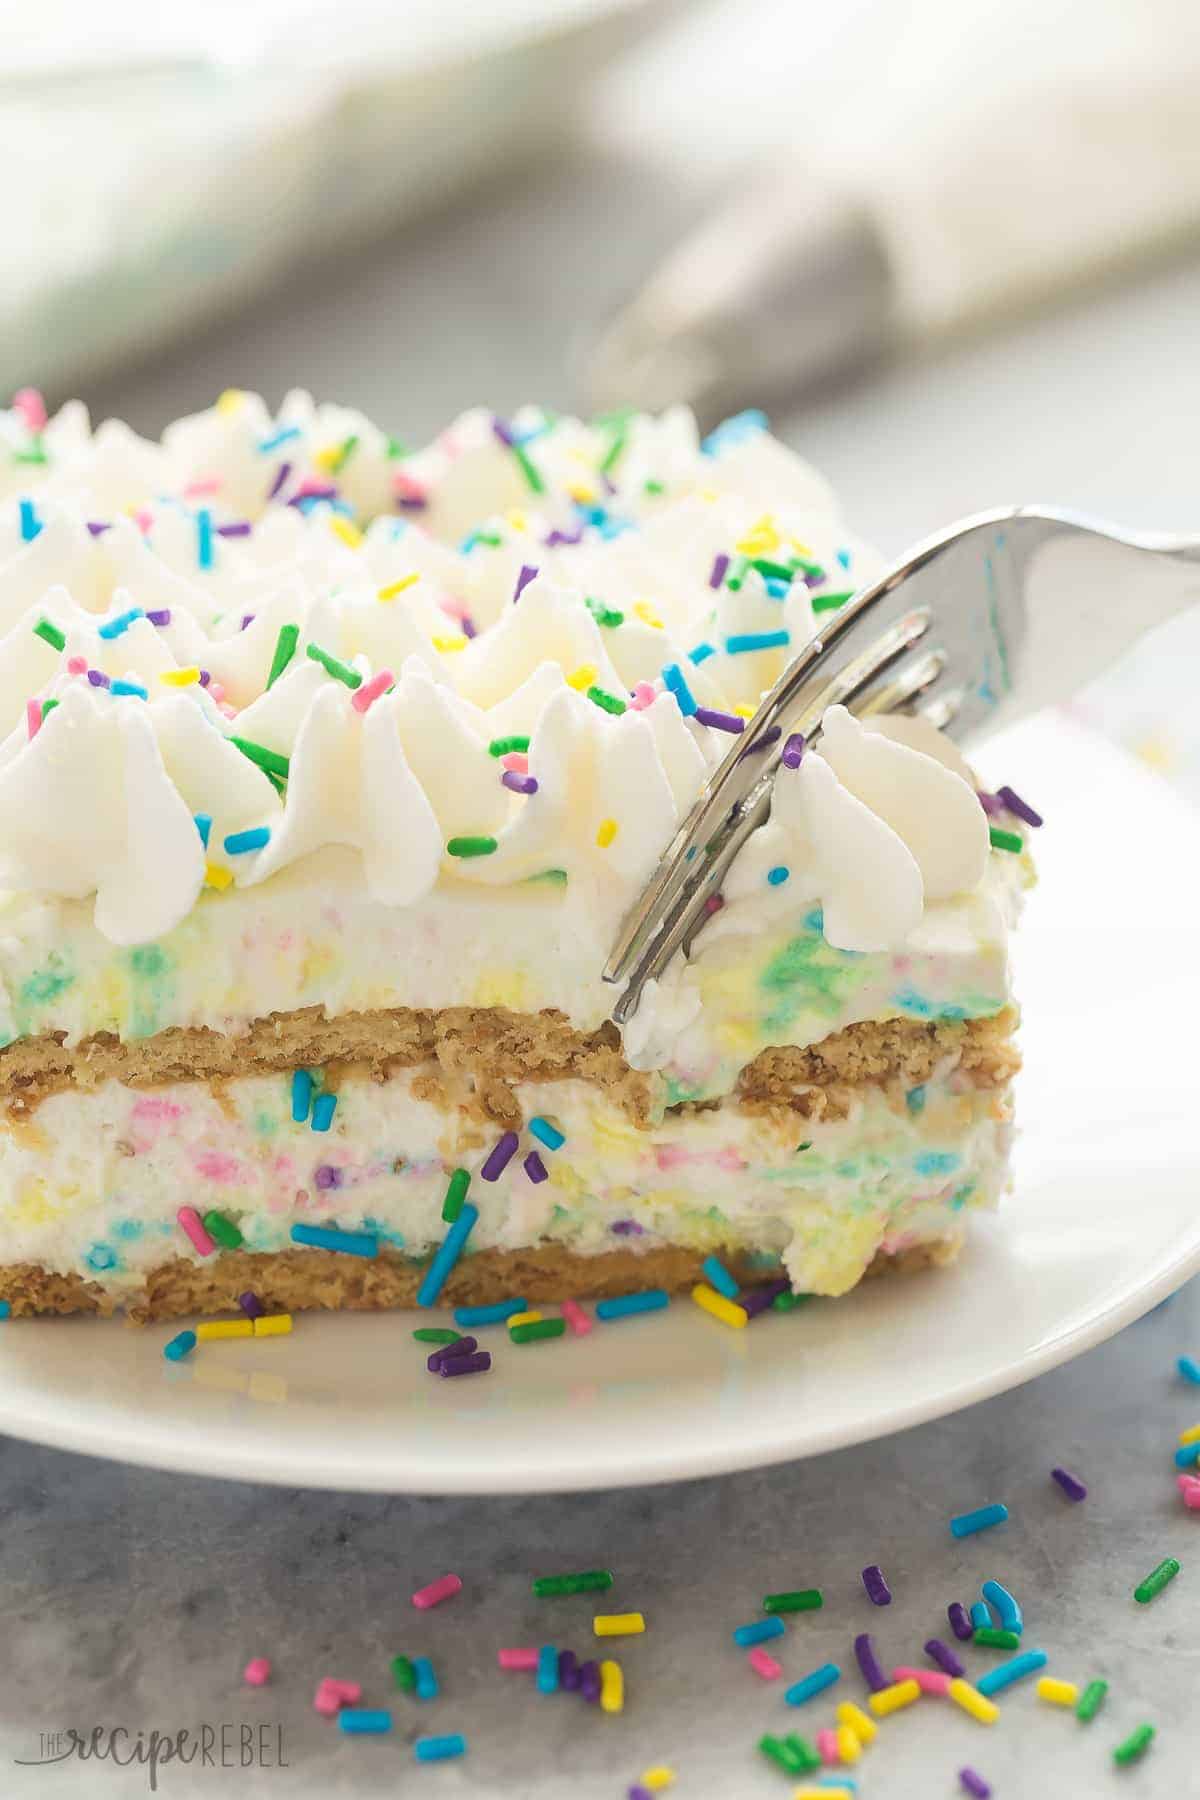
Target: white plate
(1104,1223)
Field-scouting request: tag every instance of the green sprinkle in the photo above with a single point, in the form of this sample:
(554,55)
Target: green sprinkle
(527,469)
(541,1328)
(471,846)
(606,702)
(505,746)
(395,448)
(603,615)
(456,1193)
(339,670)
(269,761)
(50,634)
(800,1746)
(801,1600)
(787,1302)
(1091,1700)
(735,580)
(1005,840)
(587,1581)
(48,707)
(404,1675)
(994,1639)
(285,649)
(223,1230)
(653,487)
(345,452)
(492,539)
(613,454)
(772,571)
(1135,1745)
(827,602)
(435,1334)
(35,455)
(781,1754)
(1156,1581)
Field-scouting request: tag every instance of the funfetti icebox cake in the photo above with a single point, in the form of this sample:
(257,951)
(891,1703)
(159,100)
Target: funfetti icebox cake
(330,772)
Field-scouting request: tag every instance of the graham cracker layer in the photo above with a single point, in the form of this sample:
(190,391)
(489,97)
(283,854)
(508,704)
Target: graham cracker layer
(322,1280)
(476,1056)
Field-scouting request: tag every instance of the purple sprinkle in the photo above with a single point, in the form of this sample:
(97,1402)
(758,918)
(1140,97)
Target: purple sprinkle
(793,751)
(161,617)
(568,1671)
(242,528)
(251,1305)
(502,432)
(878,1591)
(638,1792)
(1023,810)
(815,578)
(718,721)
(974,1784)
(868,1662)
(97,526)
(247,619)
(281,475)
(992,804)
(1070,1484)
(556,537)
(626,1228)
(719,569)
(772,736)
(528,571)
(757,1300)
(98,678)
(467,1365)
(463,1346)
(960,1622)
(589,1682)
(518,784)
(944,1657)
(469,629)
(328,1177)
(499,1157)
(412,502)
(535,1168)
(205,678)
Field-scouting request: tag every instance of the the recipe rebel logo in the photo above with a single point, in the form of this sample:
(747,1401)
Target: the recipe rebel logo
(205,1746)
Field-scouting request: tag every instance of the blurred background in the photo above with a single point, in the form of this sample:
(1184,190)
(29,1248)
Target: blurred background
(952,245)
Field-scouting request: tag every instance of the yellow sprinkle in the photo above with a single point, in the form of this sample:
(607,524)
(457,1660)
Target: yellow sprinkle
(217,877)
(224,1328)
(578,490)
(761,537)
(891,1699)
(582,677)
(329,457)
(1190,1436)
(179,677)
(861,1724)
(273,1325)
(397,587)
(708,494)
(848,1745)
(801,549)
(525,1318)
(647,614)
(971,1701)
(822,1793)
(449,644)
(1059,1693)
(658,1778)
(230,401)
(745,712)
(517,519)
(349,534)
(728,1311)
(618,1624)
(612,1687)
(606,832)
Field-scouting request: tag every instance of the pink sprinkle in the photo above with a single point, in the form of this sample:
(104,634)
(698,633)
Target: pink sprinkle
(579,1321)
(230,712)
(517,1659)
(143,519)
(190,1219)
(764,1664)
(77,665)
(1189,1487)
(516,761)
(644,694)
(364,697)
(436,1592)
(257,1671)
(332,1695)
(33,717)
(209,484)
(930,1681)
(216,692)
(32,408)
(455,608)
(827,1747)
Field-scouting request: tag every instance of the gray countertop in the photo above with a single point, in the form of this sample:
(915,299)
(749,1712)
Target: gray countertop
(134,1598)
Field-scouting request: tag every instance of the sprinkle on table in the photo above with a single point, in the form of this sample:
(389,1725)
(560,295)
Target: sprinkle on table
(1007,1609)
(497,1313)
(758,1632)
(536,1331)
(586,1581)
(1156,1581)
(435,1334)
(1070,1484)
(960,1621)
(868,1662)
(1091,1700)
(1135,1746)
(1015,1669)
(440,1749)
(973,1783)
(1189,1368)
(517,1659)
(990,1637)
(764,1664)
(623,1306)
(944,1657)
(972,1701)
(875,1583)
(364,1721)
(798,1600)
(427,1681)
(631,1624)
(444,1588)
(812,1685)
(861,1724)
(981,1617)
(727,1311)
(612,1687)
(967,1524)
(257,1671)
(893,1697)
(478,1364)
(273,1325)
(1057,1693)
(180,1346)
(547,1669)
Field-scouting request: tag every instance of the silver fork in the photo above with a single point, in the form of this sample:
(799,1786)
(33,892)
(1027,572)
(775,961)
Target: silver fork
(976,627)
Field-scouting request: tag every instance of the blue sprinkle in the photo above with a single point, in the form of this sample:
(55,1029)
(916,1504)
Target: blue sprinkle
(238,842)
(1015,1669)
(547,1670)
(180,1346)
(115,628)
(427,1681)
(129,687)
(915,1100)
(734,431)
(701,653)
(673,677)
(284,435)
(30,523)
(815,920)
(966,1524)
(936,1162)
(350,1243)
(490,1315)
(203,822)
(546,1133)
(447,1255)
(1187,1456)
(843,557)
(5,1309)
(323,1109)
(653,1300)
(1189,1368)
(813,1684)
(360,1721)
(437,1749)
(756,640)
(981,1616)
(757,1632)
(1007,1610)
(204,538)
(721,1279)
(777,589)
(778,875)
(302,1087)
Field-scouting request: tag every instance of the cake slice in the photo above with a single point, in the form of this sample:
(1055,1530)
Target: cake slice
(330,773)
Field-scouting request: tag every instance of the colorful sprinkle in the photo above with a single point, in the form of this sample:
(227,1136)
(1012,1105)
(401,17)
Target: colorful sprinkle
(439,1749)
(1070,1484)
(536,1331)
(517,1659)
(576,1318)
(193,1226)
(348,1243)
(1015,1669)
(612,1687)
(332,665)
(1134,1746)
(727,1311)
(878,1591)
(498,1313)
(764,1664)
(892,1698)
(364,1721)
(623,1306)
(50,634)
(478,1364)
(499,1157)
(989,1637)
(257,1671)
(719,721)
(547,1669)
(860,1723)
(427,1681)
(792,754)
(973,1783)
(180,1346)
(239,843)
(471,846)
(535,1168)
(1006,1607)
(982,1519)
(445,1258)
(1005,840)
(285,650)
(1019,807)
(546,1133)
(1156,1581)
(973,1702)
(323,1108)
(812,1685)
(675,683)
(273,1325)
(868,1662)
(1091,1700)
(744,641)
(758,1632)
(799,1600)
(719,1277)
(1057,1693)
(981,1616)
(631,1624)
(960,1621)
(444,1588)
